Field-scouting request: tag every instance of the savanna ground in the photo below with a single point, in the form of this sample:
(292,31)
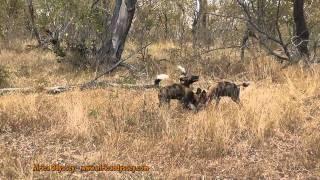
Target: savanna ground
(275,134)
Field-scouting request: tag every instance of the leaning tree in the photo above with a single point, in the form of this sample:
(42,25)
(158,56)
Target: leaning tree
(113,46)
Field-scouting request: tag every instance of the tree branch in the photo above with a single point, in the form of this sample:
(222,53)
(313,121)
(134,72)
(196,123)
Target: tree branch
(227,16)
(284,46)
(249,19)
(258,29)
(114,67)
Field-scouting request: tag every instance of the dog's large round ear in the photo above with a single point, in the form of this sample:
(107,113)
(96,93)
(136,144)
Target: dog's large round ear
(157,81)
(203,94)
(198,91)
(182,78)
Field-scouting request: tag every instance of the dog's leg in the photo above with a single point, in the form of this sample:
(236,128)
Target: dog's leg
(240,104)
(185,104)
(217,101)
(237,100)
(200,107)
(235,96)
(168,103)
(160,98)
(165,101)
(161,101)
(208,101)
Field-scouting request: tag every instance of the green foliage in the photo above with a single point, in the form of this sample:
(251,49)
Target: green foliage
(85,23)
(11,21)
(82,19)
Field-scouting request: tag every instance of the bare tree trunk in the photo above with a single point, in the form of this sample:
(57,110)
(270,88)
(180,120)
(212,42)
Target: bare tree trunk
(204,13)
(195,24)
(166,29)
(32,20)
(112,49)
(260,19)
(301,30)
(200,21)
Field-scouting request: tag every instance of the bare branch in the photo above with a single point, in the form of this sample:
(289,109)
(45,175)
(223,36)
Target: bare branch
(94,3)
(250,20)
(273,53)
(227,16)
(220,48)
(284,46)
(114,66)
(259,30)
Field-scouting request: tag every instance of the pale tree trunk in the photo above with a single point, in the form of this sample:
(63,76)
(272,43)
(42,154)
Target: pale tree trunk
(166,29)
(204,21)
(112,49)
(260,19)
(195,23)
(200,22)
(301,30)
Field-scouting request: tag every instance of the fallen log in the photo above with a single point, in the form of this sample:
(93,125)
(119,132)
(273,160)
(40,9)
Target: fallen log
(7,90)
(49,90)
(105,84)
(129,86)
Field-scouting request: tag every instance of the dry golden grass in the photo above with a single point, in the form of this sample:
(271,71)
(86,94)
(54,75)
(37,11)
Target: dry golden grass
(275,134)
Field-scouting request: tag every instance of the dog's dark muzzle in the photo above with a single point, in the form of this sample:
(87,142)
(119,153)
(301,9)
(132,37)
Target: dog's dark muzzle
(194,78)
(188,80)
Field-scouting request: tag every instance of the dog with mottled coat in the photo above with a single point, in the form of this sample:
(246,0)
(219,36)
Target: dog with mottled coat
(180,91)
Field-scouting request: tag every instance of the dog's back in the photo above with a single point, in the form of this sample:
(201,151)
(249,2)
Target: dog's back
(174,91)
(180,91)
(225,88)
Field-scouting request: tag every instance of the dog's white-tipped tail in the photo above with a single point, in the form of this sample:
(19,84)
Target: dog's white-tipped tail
(182,69)
(159,78)
(162,76)
(245,84)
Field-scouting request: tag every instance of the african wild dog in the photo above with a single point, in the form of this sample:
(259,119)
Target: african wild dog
(180,91)
(201,98)
(225,88)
